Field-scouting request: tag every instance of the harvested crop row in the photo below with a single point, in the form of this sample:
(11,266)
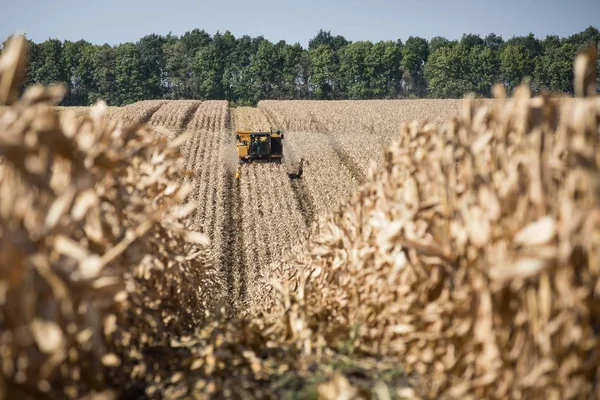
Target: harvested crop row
(277,224)
(175,114)
(230,236)
(141,111)
(195,148)
(208,166)
(208,153)
(376,117)
(326,178)
(290,224)
(249,118)
(251,220)
(210,159)
(208,172)
(271,220)
(223,117)
(358,130)
(211,115)
(360,153)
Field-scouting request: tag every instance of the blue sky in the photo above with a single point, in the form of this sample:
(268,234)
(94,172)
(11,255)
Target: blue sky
(112,21)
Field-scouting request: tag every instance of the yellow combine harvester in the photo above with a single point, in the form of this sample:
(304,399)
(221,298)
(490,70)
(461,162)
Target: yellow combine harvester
(258,147)
(261,147)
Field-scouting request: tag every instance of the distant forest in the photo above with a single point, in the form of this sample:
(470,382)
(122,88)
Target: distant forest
(245,70)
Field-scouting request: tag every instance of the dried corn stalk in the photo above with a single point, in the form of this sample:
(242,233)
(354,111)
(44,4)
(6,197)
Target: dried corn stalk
(95,265)
(473,254)
(141,112)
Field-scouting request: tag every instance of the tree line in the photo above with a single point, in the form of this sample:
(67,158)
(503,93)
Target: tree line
(247,69)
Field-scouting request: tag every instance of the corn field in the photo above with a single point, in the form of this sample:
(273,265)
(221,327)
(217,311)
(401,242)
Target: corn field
(431,249)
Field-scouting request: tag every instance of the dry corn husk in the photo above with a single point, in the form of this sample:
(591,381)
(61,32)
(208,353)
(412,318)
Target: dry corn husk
(95,263)
(473,254)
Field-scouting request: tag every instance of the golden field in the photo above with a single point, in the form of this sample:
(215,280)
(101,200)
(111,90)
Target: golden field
(431,249)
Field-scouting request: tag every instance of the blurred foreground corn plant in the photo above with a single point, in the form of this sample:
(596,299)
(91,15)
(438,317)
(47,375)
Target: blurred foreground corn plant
(474,254)
(94,261)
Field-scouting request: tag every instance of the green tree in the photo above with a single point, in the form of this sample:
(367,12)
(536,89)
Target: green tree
(370,70)
(192,41)
(210,64)
(265,69)
(447,71)
(35,61)
(414,55)
(209,74)
(470,40)
(103,72)
(245,70)
(291,70)
(484,69)
(396,71)
(85,73)
(582,39)
(517,60)
(174,74)
(439,42)
(237,74)
(225,45)
(554,67)
(228,47)
(493,41)
(384,70)
(304,70)
(335,44)
(323,37)
(52,67)
(590,35)
(152,65)
(127,74)
(196,39)
(354,71)
(453,71)
(72,59)
(322,67)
